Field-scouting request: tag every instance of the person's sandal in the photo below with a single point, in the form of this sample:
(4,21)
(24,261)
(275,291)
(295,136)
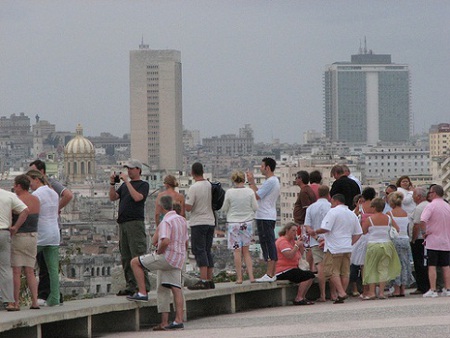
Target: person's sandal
(11,307)
(158,328)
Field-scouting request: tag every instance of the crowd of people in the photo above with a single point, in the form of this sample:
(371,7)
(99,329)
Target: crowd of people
(30,235)
(338,234)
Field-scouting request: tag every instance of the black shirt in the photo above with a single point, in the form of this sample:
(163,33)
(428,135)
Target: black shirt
(129,210)
(347,187)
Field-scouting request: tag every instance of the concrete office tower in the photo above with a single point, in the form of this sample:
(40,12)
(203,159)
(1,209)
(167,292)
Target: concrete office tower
(155,108)
(367,100)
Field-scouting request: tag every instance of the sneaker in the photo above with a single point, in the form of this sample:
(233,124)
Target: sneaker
(430,294)
(42,302)
(266,279)
(445,293)
(175,326)
(138,298)
(200,285)
(212,285)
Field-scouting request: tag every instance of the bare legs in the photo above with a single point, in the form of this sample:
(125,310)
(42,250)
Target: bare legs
(31,281)
(303,288)
(238,264)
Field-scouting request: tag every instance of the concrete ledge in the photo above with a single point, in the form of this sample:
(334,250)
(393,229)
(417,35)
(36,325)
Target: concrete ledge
(85,318)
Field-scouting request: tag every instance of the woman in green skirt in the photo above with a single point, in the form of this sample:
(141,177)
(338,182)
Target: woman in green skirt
(382,263)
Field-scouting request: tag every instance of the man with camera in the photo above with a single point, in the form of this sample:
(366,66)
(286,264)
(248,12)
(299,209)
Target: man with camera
(132,239)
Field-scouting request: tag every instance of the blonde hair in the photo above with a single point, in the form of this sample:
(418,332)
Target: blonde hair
(238,176)
(37,174)
(286,228)
(395,199)
(171,181)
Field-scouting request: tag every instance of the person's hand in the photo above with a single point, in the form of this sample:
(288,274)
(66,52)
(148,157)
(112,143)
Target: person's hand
(124,176)
(13,230)
(250,177)
(321,242)
(111,178)
(311,232)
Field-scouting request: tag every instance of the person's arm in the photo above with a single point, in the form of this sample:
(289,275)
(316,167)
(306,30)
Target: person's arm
(365,226)
(113,195)
(355,238)
(297,210)
(183,208)
(157,211)
(163,244)
(20,220)
(252,184)
(290,253)
(66,197)
(135,195)
(415,231)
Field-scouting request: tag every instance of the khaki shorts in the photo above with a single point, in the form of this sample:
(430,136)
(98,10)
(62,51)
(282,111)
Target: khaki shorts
(24,249)
(168,275)
(317,254)
(336,265)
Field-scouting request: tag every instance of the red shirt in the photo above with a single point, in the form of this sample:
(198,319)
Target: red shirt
(284,264)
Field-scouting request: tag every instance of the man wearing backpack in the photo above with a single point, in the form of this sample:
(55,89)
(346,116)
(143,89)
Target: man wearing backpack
(202,223)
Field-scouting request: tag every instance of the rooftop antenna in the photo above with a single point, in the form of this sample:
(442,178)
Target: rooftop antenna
(142,45)
(360,47)
(365,45)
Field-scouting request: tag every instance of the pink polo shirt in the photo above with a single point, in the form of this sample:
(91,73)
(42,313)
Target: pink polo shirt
(436,216)
(174,227)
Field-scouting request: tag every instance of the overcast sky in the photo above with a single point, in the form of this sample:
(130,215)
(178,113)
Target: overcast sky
(257,62)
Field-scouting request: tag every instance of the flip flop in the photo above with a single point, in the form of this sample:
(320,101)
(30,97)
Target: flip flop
(12,308)
(159,328)
(382,297)
(369,298)
(35,308)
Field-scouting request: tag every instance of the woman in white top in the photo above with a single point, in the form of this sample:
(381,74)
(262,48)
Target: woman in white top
(48,230)
(405,186)
(401,244)
(240,205)
(381,262)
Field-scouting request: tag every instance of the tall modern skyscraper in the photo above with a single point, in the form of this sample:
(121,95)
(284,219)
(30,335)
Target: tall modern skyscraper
(156,107)
(367,100)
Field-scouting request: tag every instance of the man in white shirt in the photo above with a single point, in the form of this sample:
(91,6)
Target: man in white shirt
(341,230)
(202,223)
(314,215)
(266,215)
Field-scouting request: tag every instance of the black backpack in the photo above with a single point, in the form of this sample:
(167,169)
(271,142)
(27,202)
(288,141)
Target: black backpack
(218,195)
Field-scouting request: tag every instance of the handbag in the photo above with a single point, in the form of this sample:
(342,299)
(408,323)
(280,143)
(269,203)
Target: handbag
(393,233)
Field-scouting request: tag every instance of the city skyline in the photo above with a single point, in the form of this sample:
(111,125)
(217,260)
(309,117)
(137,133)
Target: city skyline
(255,62)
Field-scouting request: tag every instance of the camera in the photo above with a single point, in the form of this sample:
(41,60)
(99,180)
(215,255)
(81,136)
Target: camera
(117,178)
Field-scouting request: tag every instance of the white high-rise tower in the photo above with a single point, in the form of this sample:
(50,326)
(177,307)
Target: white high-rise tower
(156,107)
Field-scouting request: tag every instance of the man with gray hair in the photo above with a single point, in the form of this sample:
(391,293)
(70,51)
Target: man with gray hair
(171,239)
(417,245)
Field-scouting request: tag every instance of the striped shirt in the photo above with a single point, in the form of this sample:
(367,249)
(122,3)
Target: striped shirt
(174,227)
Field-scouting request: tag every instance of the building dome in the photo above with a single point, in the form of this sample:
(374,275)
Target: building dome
(79,158)
(79,144)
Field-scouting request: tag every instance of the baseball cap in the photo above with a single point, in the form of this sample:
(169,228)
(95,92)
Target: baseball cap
(133,164)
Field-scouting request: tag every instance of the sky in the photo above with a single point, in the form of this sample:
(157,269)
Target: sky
(256,62)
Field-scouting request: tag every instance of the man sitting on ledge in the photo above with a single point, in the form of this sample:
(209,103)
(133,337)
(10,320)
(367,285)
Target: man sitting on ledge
(172,242)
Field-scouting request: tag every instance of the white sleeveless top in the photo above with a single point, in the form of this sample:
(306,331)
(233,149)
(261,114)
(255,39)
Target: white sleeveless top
(378,233)
(402,223)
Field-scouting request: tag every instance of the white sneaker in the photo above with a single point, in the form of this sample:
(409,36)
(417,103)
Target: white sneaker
(266,279)
(42,302)
(445,293)
(430,294)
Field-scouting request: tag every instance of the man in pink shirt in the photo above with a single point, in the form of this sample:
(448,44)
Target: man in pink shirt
(436,218)
(171,238)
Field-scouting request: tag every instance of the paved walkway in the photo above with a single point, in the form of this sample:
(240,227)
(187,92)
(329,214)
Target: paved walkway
(412,316)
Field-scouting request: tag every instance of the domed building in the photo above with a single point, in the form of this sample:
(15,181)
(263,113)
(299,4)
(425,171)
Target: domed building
(79,158)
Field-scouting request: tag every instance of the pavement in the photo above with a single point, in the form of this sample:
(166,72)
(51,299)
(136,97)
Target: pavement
(411,316)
